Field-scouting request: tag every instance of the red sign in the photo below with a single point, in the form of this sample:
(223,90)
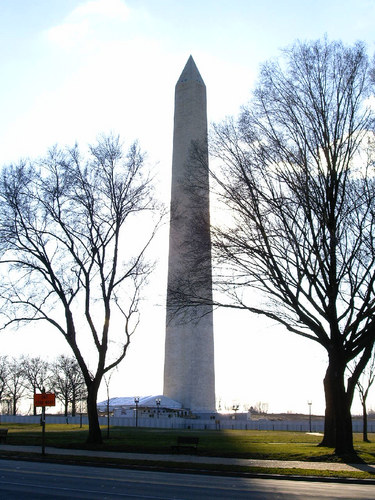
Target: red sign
(45,399)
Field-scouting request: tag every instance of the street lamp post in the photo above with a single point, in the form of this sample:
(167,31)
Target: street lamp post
(158,401)
(309,403)
(136,401)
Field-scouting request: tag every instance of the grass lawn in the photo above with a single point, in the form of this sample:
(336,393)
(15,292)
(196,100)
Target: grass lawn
(273,445)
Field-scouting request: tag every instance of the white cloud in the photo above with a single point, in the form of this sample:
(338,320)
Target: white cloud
(84,21)
(69,34)
(105,8)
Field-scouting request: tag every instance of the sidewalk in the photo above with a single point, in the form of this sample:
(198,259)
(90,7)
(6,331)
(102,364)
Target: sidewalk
(292,464)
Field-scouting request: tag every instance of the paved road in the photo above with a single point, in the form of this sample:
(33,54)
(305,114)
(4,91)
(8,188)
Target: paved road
(20,480)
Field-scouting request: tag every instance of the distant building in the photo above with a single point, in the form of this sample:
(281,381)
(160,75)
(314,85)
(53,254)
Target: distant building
(151,405)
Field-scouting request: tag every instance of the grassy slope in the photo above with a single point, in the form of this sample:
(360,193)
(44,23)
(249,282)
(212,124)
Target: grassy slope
(272,445)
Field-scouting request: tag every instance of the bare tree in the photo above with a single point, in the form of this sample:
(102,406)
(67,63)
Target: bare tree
(36,375)
(68,383)
(61,382)
(298,176)
(15,383)
(260,407)
(72,255)
(363,387)
(107,381)
(3,376)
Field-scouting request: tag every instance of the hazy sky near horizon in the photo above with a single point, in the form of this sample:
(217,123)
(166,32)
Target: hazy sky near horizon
(73,69)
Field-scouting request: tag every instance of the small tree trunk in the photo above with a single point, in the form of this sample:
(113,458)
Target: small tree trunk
(66,404)
(34,407)
(338,431)
(364,412)
(95,433)
(74,403)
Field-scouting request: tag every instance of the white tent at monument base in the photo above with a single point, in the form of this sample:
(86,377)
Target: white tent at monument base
(145,402)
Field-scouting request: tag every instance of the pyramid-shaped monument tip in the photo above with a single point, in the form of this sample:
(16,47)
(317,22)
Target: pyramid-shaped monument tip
(190,73)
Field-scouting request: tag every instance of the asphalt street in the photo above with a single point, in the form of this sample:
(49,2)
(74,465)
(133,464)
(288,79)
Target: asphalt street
(35,480)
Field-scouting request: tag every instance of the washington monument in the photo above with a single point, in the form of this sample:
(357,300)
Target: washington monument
(189,373)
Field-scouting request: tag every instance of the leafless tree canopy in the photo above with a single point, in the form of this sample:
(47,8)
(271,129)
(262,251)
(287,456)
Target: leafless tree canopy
(298,175)
(3,377)
(15,384)
(68,383)
(71,254)
(22,377)
(36,375)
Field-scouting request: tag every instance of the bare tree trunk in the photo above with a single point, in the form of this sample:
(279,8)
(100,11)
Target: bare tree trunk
(66,404)
(34,407)
(329,438)
(14,403)
(74,403)
(95,433)
(364,410)
(338,431)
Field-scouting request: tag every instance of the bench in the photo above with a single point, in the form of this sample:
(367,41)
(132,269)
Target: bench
(187,443)
(3,435)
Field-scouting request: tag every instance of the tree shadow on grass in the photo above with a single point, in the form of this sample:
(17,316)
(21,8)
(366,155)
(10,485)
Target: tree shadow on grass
(347,458)
(351,459)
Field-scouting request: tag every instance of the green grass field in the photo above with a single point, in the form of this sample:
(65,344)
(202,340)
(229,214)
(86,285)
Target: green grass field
(274,445)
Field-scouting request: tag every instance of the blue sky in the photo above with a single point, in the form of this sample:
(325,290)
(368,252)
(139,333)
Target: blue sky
(68,66)
(72,69)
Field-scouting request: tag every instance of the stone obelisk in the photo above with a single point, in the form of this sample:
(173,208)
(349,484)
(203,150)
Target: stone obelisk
(189,373)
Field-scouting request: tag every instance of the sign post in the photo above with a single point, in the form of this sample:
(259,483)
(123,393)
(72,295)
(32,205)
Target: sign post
(44,399)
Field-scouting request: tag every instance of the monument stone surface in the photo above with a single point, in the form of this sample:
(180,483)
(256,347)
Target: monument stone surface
(189,373)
